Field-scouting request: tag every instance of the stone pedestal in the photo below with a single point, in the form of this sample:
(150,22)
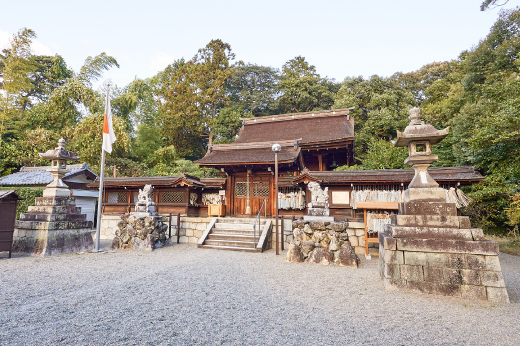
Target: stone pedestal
(140,231)
(429,249)
(51,227)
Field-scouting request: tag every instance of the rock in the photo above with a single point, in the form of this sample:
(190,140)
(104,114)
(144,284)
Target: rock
(338,226)
(307,248)
(317,237)
(334,244)
(131,231)
(116,243)
(321,256)
(126,238)
(347,257)
(298,224)
(300,235)
(317,226)
(325,243)
(307,229)
(343,236)
(143,234)
(122,224)
(139,224)
(149,243)
(158,244)
(162,236)
(164,227)
(149,221)
(294,254)
(317,245)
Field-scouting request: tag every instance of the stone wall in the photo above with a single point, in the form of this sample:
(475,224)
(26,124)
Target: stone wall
(191,228)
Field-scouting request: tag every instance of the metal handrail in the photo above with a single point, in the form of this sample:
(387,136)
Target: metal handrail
(254,225)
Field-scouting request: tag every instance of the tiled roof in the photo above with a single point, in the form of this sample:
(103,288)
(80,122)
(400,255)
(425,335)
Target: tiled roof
(440,174)
(311,127)
(40,175)
(173,180)
(10,194)
(246,155)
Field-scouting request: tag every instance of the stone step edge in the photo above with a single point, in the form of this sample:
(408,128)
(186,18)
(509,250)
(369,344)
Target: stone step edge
(236,248)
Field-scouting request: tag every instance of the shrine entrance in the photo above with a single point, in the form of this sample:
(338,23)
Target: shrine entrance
(257,188)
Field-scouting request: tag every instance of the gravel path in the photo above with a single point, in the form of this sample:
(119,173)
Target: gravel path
(182,295)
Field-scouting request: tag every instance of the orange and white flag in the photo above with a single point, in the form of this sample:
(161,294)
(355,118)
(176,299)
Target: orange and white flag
(108,132)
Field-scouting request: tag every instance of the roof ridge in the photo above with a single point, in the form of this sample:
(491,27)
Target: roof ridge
(300,115)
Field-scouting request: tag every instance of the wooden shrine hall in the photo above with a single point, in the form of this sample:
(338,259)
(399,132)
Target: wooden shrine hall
(317,141)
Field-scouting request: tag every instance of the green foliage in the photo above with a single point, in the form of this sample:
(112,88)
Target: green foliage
(490,204)
(302,89)
(380,154)
(381,107)
(181,166)
(252,89)
(29,193)
(513,212)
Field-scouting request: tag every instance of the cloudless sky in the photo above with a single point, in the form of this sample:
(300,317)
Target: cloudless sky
(341,38)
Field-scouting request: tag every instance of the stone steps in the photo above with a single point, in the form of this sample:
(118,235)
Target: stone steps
(231,248)
(234,234)
(54,210)
(230,243)
(227,236)
(241,220)
(52,217)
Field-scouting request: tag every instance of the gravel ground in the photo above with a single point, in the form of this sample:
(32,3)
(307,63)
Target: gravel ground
(182,295)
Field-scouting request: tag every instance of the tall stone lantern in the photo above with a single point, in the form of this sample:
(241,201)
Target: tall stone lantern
(428,247)
(419,137)
(54,225)
(59,157)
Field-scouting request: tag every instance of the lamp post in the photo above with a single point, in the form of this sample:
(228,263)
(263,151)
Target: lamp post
(276,149)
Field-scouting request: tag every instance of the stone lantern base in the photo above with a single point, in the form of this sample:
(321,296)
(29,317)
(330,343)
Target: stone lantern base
(429,249)
(53,226)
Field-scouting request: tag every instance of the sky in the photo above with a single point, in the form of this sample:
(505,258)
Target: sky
(341,38)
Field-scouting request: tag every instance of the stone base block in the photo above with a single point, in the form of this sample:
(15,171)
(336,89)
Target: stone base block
(432,194)
(428,208)
(52,242)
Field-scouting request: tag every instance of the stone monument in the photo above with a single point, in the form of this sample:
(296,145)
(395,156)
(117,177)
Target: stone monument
(143,229)
(144,205)
(54,225)
(428,248)
(319,205)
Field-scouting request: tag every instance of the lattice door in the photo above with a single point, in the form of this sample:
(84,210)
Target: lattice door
(116,197)
(241,189)
(260,189)
(172,197)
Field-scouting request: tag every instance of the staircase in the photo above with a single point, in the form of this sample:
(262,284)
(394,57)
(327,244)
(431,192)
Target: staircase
(236,234)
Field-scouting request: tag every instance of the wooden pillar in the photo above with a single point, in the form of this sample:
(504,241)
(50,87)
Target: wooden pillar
(320,159)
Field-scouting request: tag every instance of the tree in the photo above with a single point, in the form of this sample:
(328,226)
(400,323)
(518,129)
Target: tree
(302,89)
(486,4)
(381,107)
(252,89)
(191,96)
(211,69)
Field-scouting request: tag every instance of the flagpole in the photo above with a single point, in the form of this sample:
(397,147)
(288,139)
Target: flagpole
(100,200)
(101,177)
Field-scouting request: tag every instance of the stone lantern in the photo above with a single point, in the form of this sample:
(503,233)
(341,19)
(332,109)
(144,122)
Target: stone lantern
(428,247)
(419,137)
(59,157)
